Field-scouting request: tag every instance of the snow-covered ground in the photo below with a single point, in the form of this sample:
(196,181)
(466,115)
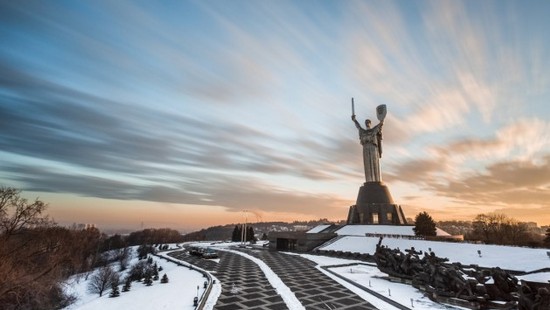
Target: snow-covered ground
(317,229)
(363,230)
(178,293)
(371,277)
(216,290)
(182,287)
(506,257)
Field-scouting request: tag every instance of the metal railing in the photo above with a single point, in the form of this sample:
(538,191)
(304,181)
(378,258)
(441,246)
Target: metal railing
(206,293)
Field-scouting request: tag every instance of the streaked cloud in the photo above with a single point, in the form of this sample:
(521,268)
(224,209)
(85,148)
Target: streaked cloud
(515,183)
(525,139)
(247,105)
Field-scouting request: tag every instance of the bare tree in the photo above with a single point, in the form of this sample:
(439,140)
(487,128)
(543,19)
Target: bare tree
(497,228)
(102,280)
(30,251)
(36,255)
(16,213)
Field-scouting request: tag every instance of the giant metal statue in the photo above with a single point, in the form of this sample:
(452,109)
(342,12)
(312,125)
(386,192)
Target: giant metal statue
(371,139)
(374,204)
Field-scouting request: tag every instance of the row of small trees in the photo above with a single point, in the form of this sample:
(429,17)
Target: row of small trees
(106,277)
(237,234)
(146,236)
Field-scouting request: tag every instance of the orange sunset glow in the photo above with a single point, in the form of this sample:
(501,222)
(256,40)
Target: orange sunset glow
(126,114)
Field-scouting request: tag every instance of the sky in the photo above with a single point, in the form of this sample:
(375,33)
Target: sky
(187,114)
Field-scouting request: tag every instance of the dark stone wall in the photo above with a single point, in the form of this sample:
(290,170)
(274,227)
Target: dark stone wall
(297,241)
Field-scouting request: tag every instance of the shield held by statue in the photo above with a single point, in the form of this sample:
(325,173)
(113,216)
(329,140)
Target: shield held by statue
(381,112)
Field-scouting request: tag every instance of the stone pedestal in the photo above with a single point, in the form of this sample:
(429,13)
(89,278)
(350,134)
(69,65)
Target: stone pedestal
(375,205)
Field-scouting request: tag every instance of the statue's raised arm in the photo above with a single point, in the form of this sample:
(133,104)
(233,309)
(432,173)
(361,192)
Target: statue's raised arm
(356,122)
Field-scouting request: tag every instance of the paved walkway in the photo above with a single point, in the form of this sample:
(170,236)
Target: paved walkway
(244,286)
(313,288)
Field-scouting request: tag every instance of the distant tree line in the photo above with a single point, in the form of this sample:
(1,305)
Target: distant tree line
(454,227)
(496,228)
(546,240)
(210,233)
(489,228)
(225,232)
(151,236)
(322,221)
(154,236)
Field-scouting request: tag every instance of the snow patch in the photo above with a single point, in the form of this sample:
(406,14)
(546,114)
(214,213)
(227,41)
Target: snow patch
(317,229)
(178,293)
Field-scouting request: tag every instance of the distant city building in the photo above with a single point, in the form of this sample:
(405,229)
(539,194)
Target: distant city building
(82,226)
(532,227)
(301,227)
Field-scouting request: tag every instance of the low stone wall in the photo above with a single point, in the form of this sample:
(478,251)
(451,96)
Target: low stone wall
(297,241)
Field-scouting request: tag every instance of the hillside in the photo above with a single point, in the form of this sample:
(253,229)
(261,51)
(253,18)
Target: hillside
(224,232)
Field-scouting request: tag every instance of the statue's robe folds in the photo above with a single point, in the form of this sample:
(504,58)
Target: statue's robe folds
(370,139)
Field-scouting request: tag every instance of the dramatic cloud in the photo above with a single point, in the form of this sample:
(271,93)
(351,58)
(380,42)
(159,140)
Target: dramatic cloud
(523,139)
(419,172)
(236,194)
(508,182)
(478,172)
(247,105)
(106,150)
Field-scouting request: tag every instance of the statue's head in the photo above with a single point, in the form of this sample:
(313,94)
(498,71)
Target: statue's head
(367,123)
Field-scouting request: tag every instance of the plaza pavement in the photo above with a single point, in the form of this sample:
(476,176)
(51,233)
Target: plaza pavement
(244,285)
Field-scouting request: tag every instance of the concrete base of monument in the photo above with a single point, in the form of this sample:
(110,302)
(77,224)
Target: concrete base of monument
(376,214)
(375,206)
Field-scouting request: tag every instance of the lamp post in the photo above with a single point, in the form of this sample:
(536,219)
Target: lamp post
(243,233)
